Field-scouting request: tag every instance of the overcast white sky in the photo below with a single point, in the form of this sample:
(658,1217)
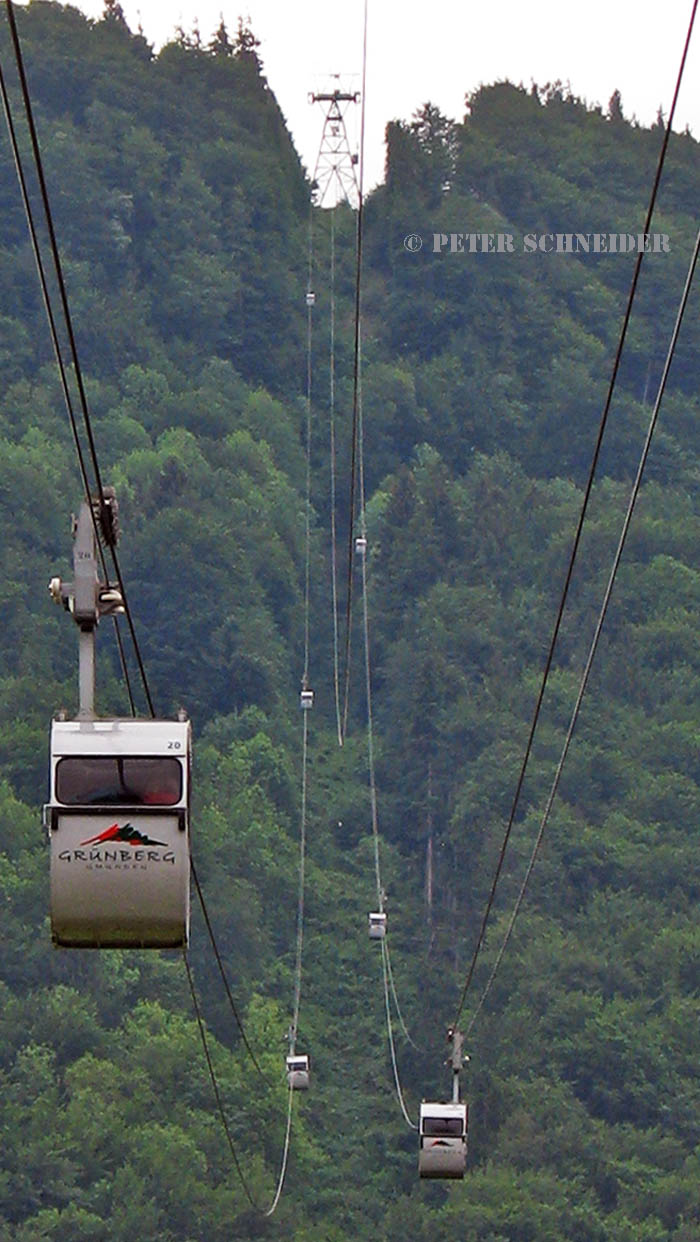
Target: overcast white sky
(441,49)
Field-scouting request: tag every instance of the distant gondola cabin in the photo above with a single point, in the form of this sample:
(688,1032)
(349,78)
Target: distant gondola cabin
(443,1140)
(118,823)
(298,1072)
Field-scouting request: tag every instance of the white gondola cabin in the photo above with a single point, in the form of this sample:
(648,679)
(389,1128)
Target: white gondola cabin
(377,925)
(306,700)
(298,1073)
(360,545)
(118,823)
(443,1140)
(311,298)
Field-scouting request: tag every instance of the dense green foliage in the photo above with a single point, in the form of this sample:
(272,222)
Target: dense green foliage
(182,214)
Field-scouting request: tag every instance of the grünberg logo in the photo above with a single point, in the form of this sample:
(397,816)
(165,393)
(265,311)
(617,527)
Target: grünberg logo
(99,854)
(123,832)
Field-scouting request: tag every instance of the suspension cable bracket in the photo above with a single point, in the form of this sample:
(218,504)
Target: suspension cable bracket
(457,1059)
(86,598)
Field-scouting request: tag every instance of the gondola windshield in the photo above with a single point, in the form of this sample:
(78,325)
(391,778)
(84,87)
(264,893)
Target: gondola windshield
(117,781)
(442,1127)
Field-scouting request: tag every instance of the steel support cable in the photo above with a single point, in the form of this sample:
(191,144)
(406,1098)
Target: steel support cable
(296,1006)
(397,1006)
(29,215)
(302,873)
(297,970)
(334,533)
(19,59)
(307,545)
(388,975)
(368,692)
(132,631)
(365,633)
(355,384)
(302,846)
(53,331)
(392,1049)
(579,527)
(285,1156)
(222,972)
(353,473)
(215,1084)
(598,628)
(222,1111)
(307,573)
(386,960)
(298,960)
(370,745)
(305,714)
(332,448)
(124,666)
(295,1020)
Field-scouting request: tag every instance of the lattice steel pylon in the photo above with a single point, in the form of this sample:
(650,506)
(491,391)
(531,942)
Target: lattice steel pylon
(336,164)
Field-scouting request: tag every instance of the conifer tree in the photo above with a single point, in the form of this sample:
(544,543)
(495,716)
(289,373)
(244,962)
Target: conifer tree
(114,12)
(221,44)
(615,112)
(246,44)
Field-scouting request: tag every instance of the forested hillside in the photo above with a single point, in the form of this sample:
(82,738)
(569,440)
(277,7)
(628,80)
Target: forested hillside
(182,213)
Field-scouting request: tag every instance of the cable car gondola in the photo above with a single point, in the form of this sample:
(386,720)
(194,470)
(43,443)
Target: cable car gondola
(377,925)
(118,821)
(118,809)
(443,1140)
(298,1073)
